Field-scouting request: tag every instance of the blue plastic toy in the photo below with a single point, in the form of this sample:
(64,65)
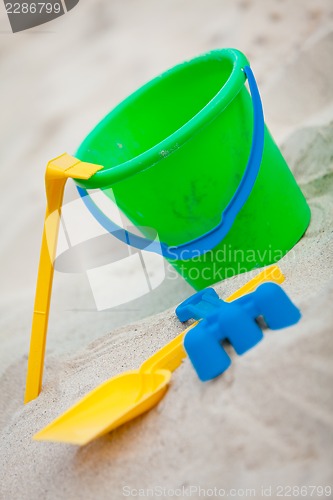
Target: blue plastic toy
(235,321)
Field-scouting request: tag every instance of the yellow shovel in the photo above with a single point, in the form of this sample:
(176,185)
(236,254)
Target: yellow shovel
(132,393)
(57,172)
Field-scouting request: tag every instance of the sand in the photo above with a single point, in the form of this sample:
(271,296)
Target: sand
(269,420)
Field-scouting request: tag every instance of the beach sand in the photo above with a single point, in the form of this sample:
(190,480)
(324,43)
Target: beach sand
(268,420)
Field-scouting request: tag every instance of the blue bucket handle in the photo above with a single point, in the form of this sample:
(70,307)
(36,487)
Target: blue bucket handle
(204,243)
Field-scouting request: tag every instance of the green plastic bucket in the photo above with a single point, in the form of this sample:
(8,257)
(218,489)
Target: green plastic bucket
(179,152)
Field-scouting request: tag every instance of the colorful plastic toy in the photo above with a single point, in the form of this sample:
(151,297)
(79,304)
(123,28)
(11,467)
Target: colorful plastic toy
(132,393)
(188,155)
(235,322)
(57,172)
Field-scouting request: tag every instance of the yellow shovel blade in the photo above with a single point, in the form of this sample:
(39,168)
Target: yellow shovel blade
(57,172)
(110,405)
(130,394)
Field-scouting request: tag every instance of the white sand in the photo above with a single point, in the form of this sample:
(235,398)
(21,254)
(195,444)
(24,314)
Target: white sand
(269,419)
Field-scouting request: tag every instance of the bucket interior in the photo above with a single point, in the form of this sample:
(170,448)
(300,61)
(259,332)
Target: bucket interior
(156,111)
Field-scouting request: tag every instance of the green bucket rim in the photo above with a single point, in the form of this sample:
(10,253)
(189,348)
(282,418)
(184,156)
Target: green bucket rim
(150,157)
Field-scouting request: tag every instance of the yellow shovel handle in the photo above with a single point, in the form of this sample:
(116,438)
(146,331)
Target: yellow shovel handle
(57,172)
